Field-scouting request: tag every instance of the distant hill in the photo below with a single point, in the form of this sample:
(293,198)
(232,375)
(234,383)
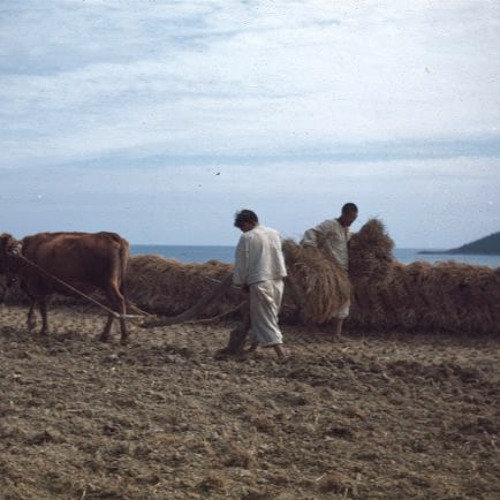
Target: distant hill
(489,245)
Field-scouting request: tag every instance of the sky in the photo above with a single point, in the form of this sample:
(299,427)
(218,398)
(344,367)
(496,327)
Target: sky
(160,119)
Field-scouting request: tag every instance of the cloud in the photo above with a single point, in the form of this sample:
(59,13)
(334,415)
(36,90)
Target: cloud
(259,76)
(131,108)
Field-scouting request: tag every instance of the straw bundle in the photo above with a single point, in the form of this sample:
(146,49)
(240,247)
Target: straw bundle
(168,287)
(370,252)
(447,296)
(316,285)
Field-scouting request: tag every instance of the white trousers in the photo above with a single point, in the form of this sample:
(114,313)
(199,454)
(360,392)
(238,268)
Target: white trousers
(265,303)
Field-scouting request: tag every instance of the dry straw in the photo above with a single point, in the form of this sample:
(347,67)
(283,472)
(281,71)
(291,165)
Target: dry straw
(168,287)
(447,296)
(370,253)
(316,285)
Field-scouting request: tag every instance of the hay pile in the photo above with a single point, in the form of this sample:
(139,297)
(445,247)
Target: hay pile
(168,287)
(370,253)
(446,296)
(316,286)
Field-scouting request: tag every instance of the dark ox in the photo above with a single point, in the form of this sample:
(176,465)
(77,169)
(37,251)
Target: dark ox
(85,261)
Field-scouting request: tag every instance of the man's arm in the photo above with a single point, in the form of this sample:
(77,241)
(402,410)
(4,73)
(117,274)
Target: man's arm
(240,273)
(313,237)
(310,238)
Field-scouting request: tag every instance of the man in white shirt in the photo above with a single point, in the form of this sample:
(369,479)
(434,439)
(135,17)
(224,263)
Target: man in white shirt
(260,268)
(333,235)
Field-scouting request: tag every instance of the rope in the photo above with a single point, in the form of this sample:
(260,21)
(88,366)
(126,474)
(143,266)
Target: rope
(187,316)
(138,309)
(75,290)
(161,322)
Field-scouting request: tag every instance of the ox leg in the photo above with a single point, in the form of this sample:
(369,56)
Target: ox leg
(42,304)
(31,316)
(117,301)
(105,333)
(121,306)
(31,319)
(123,326)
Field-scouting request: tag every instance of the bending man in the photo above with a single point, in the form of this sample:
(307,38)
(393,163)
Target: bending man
(333,235)
(260,268)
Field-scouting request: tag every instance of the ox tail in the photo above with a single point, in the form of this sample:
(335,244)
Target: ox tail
(124,256)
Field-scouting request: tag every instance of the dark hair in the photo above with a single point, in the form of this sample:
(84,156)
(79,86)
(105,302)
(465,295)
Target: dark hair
(349,207)
(245,216)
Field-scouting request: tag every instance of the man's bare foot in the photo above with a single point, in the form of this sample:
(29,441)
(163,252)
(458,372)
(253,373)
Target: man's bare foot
(253,347)
(283,354)
(242,356)
(283,361)
(221,354)
(227,354)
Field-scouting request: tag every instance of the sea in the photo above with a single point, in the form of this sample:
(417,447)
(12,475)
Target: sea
(199,254)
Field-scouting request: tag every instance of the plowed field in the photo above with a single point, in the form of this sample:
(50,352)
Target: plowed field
(393,416)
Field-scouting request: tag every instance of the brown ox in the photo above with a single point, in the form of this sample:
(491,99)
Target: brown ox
(85,261)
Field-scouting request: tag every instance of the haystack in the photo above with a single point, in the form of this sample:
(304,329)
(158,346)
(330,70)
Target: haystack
(169,287)
(370,253)
(316,285)
(315,288)
(446,296)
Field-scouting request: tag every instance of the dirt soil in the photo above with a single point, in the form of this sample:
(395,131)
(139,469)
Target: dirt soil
(394,416)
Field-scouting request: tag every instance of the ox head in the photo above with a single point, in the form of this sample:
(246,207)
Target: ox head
(10,250)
